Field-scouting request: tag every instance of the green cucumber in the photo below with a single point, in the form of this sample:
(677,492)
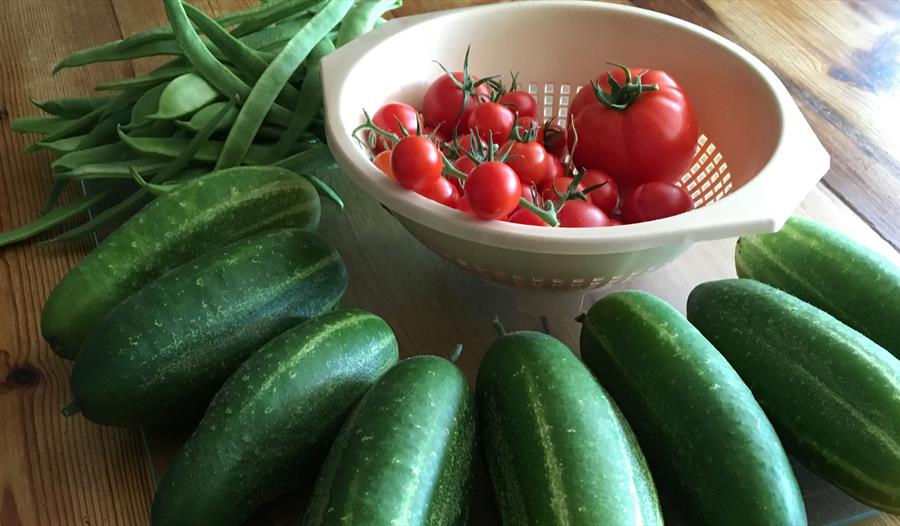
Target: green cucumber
(406,455)
(704,434)
(204,213)
(174,342)
(827,269)
(273,419)
(833,394)
(558,450)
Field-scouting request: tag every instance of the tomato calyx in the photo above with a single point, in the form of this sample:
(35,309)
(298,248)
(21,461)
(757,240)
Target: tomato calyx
(620,96)
(392,138)
(467,86)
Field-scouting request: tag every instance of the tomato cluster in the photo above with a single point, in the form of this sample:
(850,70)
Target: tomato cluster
(478,146)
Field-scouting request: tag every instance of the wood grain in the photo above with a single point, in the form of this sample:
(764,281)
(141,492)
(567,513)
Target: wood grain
(56,471)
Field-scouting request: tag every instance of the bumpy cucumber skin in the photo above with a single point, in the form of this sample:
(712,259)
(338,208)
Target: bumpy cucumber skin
(273,419)
(698,423)
(833,394)
(174,342)
(406,455)
(204,213)
(827,269)
(558,449)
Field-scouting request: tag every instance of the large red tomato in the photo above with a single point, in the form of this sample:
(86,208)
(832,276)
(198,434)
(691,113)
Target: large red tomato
(636,136)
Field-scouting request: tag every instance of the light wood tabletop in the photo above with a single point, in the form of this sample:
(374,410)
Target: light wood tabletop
(840,59)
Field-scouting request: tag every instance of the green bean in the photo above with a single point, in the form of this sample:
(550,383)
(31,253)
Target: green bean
(124,100)
(66,145)
(248,62)
(199,119)
(362,18)
(197,142)
(73,127)
(152,188)
(42,125)
(311,160)
(145,106)
(171,147)
(324,190)
(124,208)
(149,80)
(310,102)
(183,96)
(219,76)
(51,219)
(112,52)
(272,81)
(105,130)
(72,108)
(278,33)
(106,153)
(110,169)
(278,11)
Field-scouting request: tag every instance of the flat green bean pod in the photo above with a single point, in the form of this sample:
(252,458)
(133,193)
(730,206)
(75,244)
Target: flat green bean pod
(183,96)
(117,151)
(199,119)
(362,18)
(104,132)
(154,78)
(72,108)
(51,219)
(42,125)
(69,144)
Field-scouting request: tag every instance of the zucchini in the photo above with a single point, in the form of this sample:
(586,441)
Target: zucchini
(273,419)
(704,434)
(829,270)
(558,450)
(833,394)
(406,455)
(175,341)
(204,213)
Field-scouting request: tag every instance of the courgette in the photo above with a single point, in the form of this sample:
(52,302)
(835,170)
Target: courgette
(705,436)
(558,450)
(406,454)
(833,394)
(273,419)
(825,268)
(204,213)
(174,342)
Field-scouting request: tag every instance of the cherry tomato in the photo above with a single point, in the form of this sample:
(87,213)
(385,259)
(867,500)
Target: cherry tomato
(528,159)
(383,162)
(463,205)
(444,99)
(553,169)
(531,194)
(389,117)
(578,213)
(522,103)
(652,139)
(553,137)
(607,196)
(560,184)
(615,222)
(441,191)
(464,165)
(416,162)
(493,190)
(525,124)
(493,121)
(655,201)
(523,216)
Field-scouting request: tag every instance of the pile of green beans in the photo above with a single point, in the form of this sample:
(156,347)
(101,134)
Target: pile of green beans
(241,89)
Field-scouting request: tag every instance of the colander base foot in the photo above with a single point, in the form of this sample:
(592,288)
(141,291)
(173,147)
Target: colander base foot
(543,302)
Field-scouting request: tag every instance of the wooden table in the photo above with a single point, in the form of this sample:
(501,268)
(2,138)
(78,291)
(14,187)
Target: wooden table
(839,59)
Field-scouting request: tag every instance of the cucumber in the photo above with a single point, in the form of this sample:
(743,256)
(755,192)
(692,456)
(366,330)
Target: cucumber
(704,434)
(558,450)
(204,213)
(833,394)
(173,343)
(831,271)
(273,419)
(406,455)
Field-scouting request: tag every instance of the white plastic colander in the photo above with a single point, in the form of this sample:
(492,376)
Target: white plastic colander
(756,160)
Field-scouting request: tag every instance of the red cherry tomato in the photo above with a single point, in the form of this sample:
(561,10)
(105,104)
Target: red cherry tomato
(389,117)
(655,201)
(607,196)
(416,162)
(553,137)
(443,101)
(528,159)
(652,139)
(531,194)
(615,222)
(523,216)
(464,165)
(560,184)
(441,191)
(493,121)
(383,162)
(553,169)
(463,205)
(493,190)
(522,103)
(525,124)
(578,213)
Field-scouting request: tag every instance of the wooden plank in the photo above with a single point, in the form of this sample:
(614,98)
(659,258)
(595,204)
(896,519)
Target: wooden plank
(53,470)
